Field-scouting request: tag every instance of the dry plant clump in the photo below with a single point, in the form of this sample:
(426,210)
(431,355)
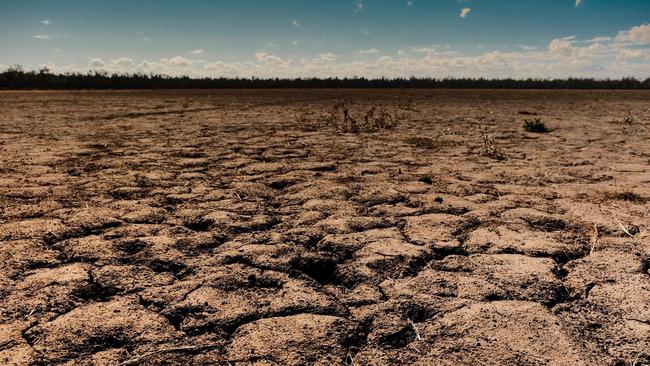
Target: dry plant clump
(628,196)
(629,119)
(422,142)
(406,103)
(535,125)
(374,119)
(527,113)
(490,149)
(307,124)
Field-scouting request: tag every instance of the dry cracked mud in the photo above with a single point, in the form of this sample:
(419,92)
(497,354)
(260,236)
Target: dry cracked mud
(217,228)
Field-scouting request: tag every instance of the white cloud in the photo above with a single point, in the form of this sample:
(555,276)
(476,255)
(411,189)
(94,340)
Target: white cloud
(97,63)
(370,51)
(54,68)
(409,3)
(564,57)
(464,12)
(123,62)
(358,6)
(271,44)
(295,23)
(327,57)
(179,61)
(600,39)
(45,22)
(432,48)
(578,3)
(639,34)
(268,59)
(631,54)
(197,51)
(560,46)
(42,36)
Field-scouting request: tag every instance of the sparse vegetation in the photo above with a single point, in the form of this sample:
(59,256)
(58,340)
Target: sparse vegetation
(490,149)
(306,124)
(527,113)
(374,119)
(535,125)
(304,226)
(624,196)
(629,119)
(422,142)
(406,103)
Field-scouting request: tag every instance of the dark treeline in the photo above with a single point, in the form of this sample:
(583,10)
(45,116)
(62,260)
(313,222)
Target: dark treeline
(16,78)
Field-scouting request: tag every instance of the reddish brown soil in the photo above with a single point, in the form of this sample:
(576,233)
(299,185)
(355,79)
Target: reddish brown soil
(196,228)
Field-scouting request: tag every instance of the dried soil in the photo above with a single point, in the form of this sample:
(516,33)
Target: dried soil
(218,227)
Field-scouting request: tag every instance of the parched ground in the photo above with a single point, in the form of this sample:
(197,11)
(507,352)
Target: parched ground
(222,227)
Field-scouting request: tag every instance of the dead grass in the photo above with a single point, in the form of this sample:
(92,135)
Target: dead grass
(490,149)
(342,118)
(626,195)
(422,142)
(406,103)
(375,118)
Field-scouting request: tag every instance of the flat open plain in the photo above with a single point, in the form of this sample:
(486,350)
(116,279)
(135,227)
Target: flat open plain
(229,228)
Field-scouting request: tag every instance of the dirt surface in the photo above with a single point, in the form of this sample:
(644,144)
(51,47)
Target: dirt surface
(217,227)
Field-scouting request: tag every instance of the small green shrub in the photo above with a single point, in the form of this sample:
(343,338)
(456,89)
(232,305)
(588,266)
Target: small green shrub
(535,125)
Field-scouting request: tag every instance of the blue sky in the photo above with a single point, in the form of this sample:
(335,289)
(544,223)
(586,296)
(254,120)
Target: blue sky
(489,38)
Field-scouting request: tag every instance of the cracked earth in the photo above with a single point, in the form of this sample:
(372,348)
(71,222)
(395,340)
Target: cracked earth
(201,228)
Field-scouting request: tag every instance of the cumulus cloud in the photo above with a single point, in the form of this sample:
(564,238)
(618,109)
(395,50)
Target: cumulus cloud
(97,63)
(45,22)
(123,62)
(464,12)
(327,57)
(639,34)
(578,3)
(54,68)
(197,51)
(561,45)
(271,60)
(599,57)
(42,36)
(295,23)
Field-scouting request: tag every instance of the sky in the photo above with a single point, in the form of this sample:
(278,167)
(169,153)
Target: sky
(344,38)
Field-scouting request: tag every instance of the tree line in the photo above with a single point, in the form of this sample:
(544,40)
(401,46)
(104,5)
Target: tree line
(17,78)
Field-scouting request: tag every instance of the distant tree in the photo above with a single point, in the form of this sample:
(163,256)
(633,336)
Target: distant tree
(15,77)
